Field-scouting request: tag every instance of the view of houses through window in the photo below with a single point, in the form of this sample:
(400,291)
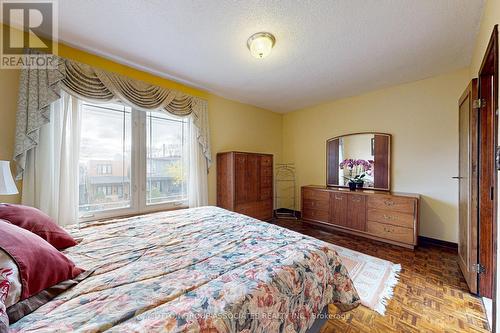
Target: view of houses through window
(105,157)
(166,172)
(106,178)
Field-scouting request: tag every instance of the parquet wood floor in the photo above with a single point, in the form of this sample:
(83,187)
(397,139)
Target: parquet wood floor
(431,295)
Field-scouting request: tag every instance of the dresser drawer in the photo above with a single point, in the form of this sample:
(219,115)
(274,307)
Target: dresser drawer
(316,204)
(388,231)
(315,215)
(399,204)
(391,217)
(308,193)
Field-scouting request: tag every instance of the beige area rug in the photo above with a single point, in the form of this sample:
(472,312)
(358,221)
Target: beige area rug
(373,278)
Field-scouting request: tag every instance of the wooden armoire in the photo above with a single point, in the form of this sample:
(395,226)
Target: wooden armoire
(245,183)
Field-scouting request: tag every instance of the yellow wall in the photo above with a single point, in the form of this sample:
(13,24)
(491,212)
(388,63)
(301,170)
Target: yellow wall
(9,81)
(422,116)
(234,126)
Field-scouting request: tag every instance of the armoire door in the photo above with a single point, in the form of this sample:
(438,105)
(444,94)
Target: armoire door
(240,175)
(266,177)
(467,186)
(252,177)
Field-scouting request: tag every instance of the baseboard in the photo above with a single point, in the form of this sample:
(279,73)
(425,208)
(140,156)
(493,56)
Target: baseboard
(437,242)
(298,214)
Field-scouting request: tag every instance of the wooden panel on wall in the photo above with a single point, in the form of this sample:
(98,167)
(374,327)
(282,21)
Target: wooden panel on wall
(333,162)
(382,160)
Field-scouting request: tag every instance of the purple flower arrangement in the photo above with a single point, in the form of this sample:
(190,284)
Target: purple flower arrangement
(349,163)
(356,170)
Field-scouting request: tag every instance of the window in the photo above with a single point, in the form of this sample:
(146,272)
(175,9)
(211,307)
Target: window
(104,169)
(105,157)
(166,174)
(130,161)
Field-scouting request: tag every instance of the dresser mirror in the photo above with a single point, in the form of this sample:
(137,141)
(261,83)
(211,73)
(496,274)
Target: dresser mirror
(366,155)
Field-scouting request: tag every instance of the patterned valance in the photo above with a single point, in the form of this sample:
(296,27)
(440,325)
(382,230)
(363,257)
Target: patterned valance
(40,87)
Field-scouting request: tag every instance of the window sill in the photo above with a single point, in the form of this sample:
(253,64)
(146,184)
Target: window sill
(150,210)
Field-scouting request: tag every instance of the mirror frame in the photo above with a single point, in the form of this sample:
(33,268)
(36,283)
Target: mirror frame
(389,136)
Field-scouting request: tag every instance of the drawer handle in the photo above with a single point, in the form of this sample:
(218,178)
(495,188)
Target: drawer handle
(389,230)
(389,202)
(390,218)
(338,197)
(356,199)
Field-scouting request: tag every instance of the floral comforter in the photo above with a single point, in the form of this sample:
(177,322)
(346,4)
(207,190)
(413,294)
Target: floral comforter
(204,269)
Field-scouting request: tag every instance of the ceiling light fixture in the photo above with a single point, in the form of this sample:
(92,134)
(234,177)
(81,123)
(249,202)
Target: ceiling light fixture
(260,44)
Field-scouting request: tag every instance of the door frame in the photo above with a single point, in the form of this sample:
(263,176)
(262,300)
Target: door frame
(468,267)
(488,192)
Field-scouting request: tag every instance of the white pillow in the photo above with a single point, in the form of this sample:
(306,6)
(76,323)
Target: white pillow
(10,281)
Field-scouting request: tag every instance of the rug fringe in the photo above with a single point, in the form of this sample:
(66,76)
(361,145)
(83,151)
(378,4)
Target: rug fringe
(388,292)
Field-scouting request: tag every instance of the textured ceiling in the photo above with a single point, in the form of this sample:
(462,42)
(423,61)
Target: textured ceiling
(325,49)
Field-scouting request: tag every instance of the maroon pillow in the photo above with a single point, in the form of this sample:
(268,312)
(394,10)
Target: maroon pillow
(40,264)
(37,222)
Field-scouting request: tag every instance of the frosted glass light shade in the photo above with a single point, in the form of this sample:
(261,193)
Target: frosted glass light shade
(7,185)
(261,44)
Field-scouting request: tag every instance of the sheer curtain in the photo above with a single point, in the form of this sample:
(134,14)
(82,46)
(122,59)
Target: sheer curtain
(198,168)
(50,181)
(51,176)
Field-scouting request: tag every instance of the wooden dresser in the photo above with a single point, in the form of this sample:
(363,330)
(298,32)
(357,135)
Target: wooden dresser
(385,216)
(245,183)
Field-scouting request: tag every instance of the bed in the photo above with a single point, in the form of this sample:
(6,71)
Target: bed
(202,269)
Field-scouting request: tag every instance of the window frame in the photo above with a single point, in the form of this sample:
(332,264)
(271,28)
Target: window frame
(145,208)
(138,177)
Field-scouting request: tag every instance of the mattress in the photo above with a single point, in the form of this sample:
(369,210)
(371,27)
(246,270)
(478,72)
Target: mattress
(192,270)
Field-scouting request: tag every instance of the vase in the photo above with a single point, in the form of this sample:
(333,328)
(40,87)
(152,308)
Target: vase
(360,185)
(352,186)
